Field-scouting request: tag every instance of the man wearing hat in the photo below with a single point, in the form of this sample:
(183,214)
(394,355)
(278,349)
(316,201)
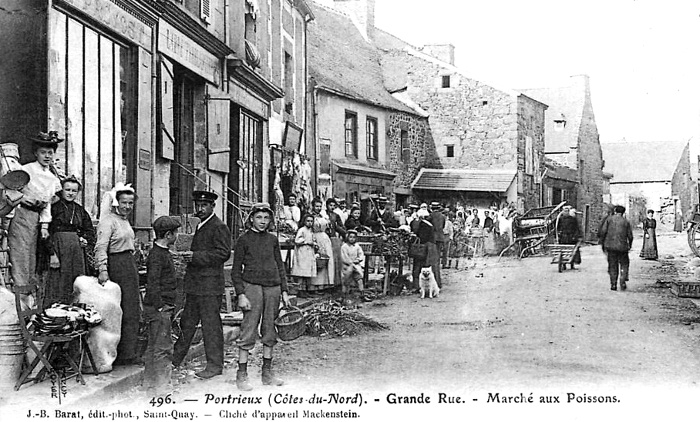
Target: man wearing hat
(204,286)
(380,218)
(33,214)
(438,220)
(342,210)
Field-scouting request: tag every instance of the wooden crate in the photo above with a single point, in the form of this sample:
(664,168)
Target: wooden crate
(686,289)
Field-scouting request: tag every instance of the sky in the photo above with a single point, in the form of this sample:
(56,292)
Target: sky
(642,57)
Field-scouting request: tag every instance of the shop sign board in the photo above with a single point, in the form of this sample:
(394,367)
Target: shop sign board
(188,53)
(115,18)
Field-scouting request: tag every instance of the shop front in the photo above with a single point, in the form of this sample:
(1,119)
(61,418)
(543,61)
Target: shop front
(361,184)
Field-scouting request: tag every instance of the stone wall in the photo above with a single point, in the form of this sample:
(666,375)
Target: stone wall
(590,155)
(682,185)
(477,119)
(422,147)
(530,131)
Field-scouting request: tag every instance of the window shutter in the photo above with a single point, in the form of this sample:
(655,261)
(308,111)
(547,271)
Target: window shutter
(219,150)
(205,10)
(166,135)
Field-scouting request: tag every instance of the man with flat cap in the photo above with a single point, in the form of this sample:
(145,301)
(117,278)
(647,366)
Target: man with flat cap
(204,286)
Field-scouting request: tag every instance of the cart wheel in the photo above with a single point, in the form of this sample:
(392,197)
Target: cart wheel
(562,265)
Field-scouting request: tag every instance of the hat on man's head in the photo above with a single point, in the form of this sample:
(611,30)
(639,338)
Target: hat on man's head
(382,199)
(204,196)
(165,223)
(435,205)
(44,139)
(341,201)
(413,206)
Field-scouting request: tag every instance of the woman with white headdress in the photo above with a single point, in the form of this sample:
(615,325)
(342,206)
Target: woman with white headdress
(114,259)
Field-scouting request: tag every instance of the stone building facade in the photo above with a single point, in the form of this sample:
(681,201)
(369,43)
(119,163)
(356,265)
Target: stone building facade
(684,183)
(361,131)
(474,125)
(572,140)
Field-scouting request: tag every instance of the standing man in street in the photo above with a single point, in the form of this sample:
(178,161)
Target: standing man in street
(616,237)
(438,220)
(204,286)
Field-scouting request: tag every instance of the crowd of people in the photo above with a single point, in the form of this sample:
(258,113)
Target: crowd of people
(326,254)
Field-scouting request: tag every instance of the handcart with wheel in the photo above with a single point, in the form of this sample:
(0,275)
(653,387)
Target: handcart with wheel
(563,254)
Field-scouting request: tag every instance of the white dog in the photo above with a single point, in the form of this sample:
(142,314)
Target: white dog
(428,283)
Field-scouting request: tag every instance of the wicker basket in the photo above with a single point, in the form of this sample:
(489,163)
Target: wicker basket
(290,323)
(322,262)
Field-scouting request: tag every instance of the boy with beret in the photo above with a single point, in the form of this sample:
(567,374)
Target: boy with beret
(159,304)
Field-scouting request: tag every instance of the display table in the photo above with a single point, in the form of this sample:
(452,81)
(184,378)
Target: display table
(388,259)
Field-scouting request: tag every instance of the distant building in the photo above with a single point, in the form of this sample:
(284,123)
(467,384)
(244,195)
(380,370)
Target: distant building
(644,169)
(477,127)
(572,147)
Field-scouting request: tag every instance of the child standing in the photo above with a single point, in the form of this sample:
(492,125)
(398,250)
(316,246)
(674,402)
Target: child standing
(304,261)
(259,283)
(353,259)
(158,306)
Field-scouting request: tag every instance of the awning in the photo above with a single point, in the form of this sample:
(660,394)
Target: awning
(363,171)
(464,180)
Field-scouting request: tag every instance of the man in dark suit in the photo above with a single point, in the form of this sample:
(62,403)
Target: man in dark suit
(437,218)
(204,286)
(381,218)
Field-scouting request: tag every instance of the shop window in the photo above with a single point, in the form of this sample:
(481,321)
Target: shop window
(372,144)
(350,134)
(93,82)
(250,158)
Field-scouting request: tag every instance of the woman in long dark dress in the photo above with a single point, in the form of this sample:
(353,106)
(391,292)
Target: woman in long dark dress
(423,228)
(649,249)
(71,233)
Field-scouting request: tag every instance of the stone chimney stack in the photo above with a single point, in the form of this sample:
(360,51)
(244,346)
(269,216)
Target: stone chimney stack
(443,52)
(362,14)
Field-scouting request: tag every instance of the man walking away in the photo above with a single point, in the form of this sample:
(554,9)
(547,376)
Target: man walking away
(616,238)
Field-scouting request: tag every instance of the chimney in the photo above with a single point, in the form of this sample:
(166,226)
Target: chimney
(443,52)
(362,14)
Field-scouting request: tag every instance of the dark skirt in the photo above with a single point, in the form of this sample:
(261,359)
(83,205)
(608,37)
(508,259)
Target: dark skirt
(432,260)
(122,270)
(59,282)
(649,249)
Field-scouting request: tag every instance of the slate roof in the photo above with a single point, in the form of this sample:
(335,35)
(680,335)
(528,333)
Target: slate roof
(564,103)
(464,180)
(636,162)
(343,62)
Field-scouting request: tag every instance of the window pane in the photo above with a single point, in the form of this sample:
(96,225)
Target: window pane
(92,86)
(74,138)
(106,96)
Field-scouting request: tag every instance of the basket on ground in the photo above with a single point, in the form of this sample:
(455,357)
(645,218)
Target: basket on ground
(290,323)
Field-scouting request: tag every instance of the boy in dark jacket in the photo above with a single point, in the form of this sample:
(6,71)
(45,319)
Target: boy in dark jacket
(616,237)
(158,305)
(259,282)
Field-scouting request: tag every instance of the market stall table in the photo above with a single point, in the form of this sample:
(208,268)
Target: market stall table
(388,259)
